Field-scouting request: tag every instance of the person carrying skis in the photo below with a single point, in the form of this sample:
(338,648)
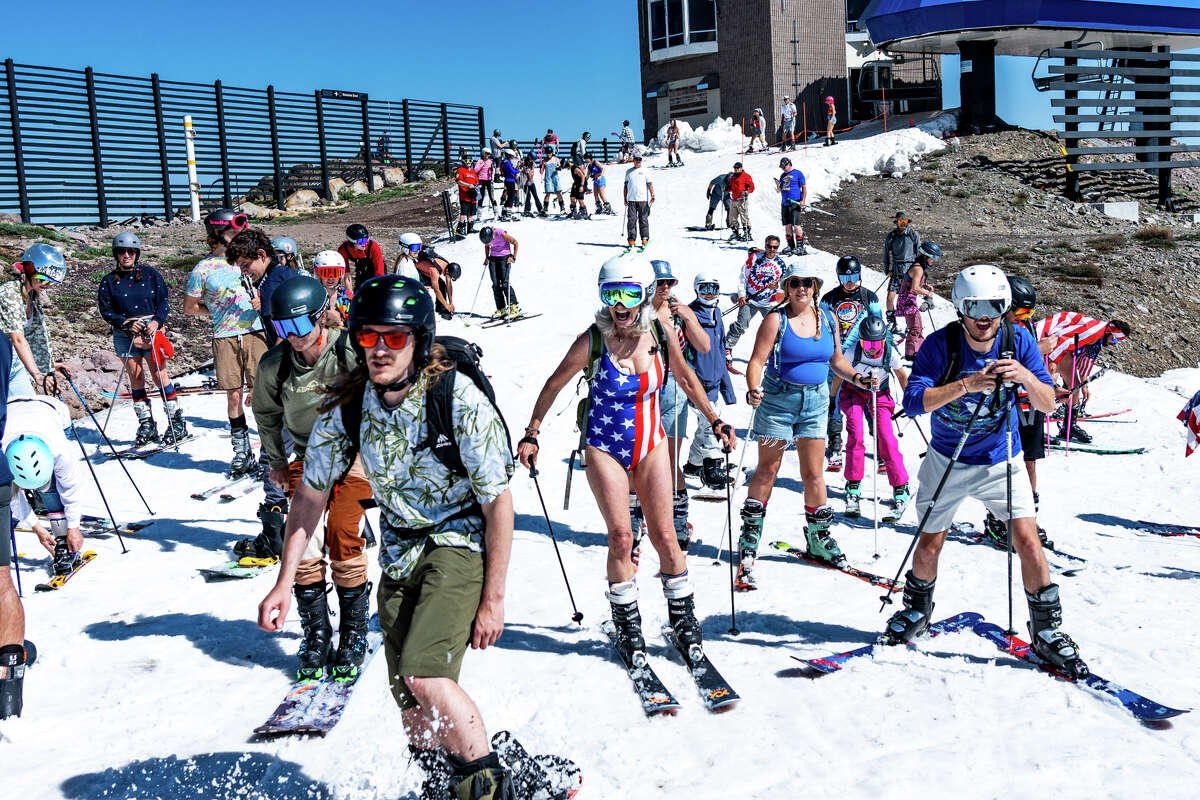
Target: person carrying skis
(626,354)
(758,289)
(900,249)
(1080,340)
(215,289)
(793,194)
(13,656)
(959,376)
(741,185)
(627,140)
(133,300)
(364,257)
(446,533)
(638,196)
(467,182)
(41,266)
(850,303)
(705,455)
(796,345)
(912,285)
(596,172)
(499,253)
(717,194)
(787,116)
(673,159)
(875,357)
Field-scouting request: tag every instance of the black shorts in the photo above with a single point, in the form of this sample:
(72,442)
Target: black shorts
(1033,438)
(467,207)
(577,193)
(790,214)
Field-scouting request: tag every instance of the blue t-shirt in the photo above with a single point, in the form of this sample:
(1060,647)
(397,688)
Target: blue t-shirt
(791,186)
(986,444)
(801,360)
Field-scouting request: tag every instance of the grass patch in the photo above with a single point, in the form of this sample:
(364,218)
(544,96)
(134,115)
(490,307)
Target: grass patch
(950,182)
(1159,236)
(1020,199)
(90,253)
(961,193)
(390,193)
(1107,242)
(181,262)
(928,177)
(32,232)
(1081,272)
(97,275)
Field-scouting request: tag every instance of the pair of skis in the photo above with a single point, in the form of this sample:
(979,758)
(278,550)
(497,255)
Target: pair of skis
(1140,707)
(854,572)
(656,698)
(137,453)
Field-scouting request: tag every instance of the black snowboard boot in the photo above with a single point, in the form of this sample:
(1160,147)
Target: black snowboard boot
(354,603)
(269,543)
(912,620)
(681,610)
(318,633)
(995,531)
(622,597)
(482,779)
(1049,643)
(12,678)
(713,473)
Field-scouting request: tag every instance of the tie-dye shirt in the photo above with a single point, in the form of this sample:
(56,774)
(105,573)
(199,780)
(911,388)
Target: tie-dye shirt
(218,284)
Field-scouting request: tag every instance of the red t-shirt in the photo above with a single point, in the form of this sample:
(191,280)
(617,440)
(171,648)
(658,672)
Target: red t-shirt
(468,176)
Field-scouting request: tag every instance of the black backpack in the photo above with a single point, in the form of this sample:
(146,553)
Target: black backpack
(954,360)
(439,406)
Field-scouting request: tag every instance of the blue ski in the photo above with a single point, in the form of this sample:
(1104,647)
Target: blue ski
(950,625)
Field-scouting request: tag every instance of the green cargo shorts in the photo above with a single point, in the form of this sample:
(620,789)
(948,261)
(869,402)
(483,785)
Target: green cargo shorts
(427,618)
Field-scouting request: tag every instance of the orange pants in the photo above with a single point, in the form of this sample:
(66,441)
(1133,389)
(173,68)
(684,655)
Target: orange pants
(341,538)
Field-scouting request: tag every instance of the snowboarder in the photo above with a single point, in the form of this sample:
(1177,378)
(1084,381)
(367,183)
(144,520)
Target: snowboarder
(787,115)
(499,253)
(627,339)
(717,194)
(900,248)
(596,172)
(741,185)
(460,580)
(704,457)
(215,289)
(468,183)
(638,196)
(793,194)
(133,300)
(796,345)
(364,257)
(758,289)
(961,370)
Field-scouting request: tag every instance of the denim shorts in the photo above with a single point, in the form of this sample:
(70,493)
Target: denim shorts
(791,411)
(674,403)
(551,181)
(122,342)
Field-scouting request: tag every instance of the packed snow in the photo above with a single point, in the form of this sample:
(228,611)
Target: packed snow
(150,680)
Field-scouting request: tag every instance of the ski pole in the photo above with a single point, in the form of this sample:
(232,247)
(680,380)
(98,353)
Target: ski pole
(478,286)
(962,442)
(729,520)
(1008,479)
(112,520)
(107,441)
(1071,396)
(875,472)
(117,391)
(577,617)
(733,630)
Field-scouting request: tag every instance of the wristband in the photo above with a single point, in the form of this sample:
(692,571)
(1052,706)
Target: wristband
(529,440)
(531,431)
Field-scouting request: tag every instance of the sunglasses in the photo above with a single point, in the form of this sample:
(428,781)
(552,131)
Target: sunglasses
(394,340)
(901,222)
(709,288)
(238,222)
(1023,313)
(798,283)
(853,277)
(629,295)
(983,309)
(668,282)
(327,273)
(293,326)
(771,247)
(125,251)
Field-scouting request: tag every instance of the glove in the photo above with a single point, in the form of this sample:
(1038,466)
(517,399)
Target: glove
(926,305)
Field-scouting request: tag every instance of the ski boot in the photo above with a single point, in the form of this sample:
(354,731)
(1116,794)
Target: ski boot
(854,499)
(714,475)
(243,461)
(833,444)
(318,632)
(354,603)
(708,223)
(269,543)
(623,598)
(787,251)
(1077,433)
(681,610)
(14,658)
(64,560)
(891,322)
(900,498)
(995,531)
(1048,642)
(683,528)
(642,247)
(911,621)
(436,767)
(821,545)
(482,779)
(147,432)
(754,515)
(728,356)
(800,249)
(747,235)
(541,776)
(692,470)
(734,236)
(176,430)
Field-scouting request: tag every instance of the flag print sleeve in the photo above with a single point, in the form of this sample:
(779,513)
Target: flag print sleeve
(482,441)
(327,455)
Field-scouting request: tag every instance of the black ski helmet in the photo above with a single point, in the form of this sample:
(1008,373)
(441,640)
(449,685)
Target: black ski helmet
(356,231)
(394,300)
(848,265)
(1023,293)
(454,270)
(486,234)
(298,297)
(873,329)
(223,219)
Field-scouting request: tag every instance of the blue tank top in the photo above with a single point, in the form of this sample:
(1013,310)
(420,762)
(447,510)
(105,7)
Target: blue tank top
(802,360)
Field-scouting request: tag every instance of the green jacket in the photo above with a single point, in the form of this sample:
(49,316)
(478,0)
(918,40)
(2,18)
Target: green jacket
(295,402)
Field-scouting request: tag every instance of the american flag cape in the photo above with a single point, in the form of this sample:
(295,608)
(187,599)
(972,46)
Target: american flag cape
(1191,421)
(1077,332)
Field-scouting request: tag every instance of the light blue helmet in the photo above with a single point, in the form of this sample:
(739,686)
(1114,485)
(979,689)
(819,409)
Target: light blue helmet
(30,461)
(662,270)
(284,244)
(932,250)
(45,261)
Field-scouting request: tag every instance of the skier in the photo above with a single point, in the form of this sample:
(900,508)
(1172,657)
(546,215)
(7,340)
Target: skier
(875,357)
(460,579)
(364,257)
(673,159)
(850,303)
(758,290)
(13,655)
(900,248)
(793,194)
(787,114)
(596,171)
(41,266)
(49,476)
(215,289)
(550,182)
(830,121)
(717,194)
(467,182)
(497,145)
(960,370)
(438,276)
(133,300)
(410,251)
(638,196)
(627,339)
(704,456)
(509,170)
(741,185)
(911,285)
(1081,338)
(627,142)
(529,187)
(796,345)
(288,252)
(757,127)
(681,322)
(331,269)
(484,167)
(499,253)
(578,178)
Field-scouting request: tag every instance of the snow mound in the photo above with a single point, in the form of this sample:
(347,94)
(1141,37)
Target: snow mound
(721,134)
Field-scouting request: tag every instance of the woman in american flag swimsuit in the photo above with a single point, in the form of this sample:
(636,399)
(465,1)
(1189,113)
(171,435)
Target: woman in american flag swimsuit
(624,427)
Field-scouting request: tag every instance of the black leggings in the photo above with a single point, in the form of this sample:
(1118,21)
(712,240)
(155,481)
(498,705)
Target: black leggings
(531,192)
(502,291)
(485,188)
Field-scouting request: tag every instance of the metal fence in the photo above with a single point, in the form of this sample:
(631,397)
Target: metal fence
(84,147)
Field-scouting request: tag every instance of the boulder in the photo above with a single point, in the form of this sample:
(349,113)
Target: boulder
(359,187)
(106,361)
(335,188)
(304,198)
(427,175)
(15,219)
(393,176)
(254,210)
(76,236)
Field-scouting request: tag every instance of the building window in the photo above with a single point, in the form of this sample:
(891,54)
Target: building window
(674,23)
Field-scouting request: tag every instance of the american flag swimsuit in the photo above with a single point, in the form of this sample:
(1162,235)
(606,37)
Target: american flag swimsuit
(625,419)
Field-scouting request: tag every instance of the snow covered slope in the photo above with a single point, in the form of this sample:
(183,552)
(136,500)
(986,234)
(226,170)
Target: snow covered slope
(150,680)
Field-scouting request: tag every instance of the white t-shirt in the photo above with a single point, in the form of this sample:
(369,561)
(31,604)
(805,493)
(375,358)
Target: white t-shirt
(637,185)
(45,418)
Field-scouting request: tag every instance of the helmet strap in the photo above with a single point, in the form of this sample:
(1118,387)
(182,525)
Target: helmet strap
(967,330)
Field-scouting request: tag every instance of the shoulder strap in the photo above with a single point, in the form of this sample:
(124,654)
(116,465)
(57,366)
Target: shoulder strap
(344,353)
(660,340)
(351,412)
(596,344)
(283,372)
(953,353)
(439,416)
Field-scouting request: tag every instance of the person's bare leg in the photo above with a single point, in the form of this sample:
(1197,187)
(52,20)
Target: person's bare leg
(770,456)
(446,717)
(1035,572)
(12,613)
(925,556)
(610,485)
(652,479)
(811,454)
(233,403)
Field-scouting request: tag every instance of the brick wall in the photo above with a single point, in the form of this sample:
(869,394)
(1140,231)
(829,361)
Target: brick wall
(744,57)
(821,53)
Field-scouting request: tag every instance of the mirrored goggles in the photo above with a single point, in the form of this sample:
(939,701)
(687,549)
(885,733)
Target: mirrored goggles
(43,277)
(325,273)
(975,308)
(1023,314)
(873,349)
(630,295)
(361,243)
(397,340)
(853,277)
(708,288)
(414,248)
(293,326)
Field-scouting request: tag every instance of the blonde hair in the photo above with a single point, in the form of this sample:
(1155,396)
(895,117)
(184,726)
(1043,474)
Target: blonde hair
(645,319)
(348,385)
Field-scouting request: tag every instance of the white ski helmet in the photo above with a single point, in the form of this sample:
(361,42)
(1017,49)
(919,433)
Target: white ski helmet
(628,269)
(981,288)
(407,240)
(329,258)
(705,276)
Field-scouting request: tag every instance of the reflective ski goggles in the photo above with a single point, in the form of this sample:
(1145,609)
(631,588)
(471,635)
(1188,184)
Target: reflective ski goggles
(293,326)
(41,276)
(708,288)
(414,248)
(872,348)
(630,295)
(325,273)
(395,340)
(1023,314)
(977,308)
(853,277)
(361,243)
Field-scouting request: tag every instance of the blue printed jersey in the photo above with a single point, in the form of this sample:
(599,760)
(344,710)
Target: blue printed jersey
(791,186)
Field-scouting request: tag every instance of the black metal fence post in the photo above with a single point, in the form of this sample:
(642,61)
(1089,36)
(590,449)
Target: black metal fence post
(156,88)
(408,165)
(445,140)
(275,163)
(18,150)
(97,156)
(223,144)
(482,137)
(323,146)
(367,146)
